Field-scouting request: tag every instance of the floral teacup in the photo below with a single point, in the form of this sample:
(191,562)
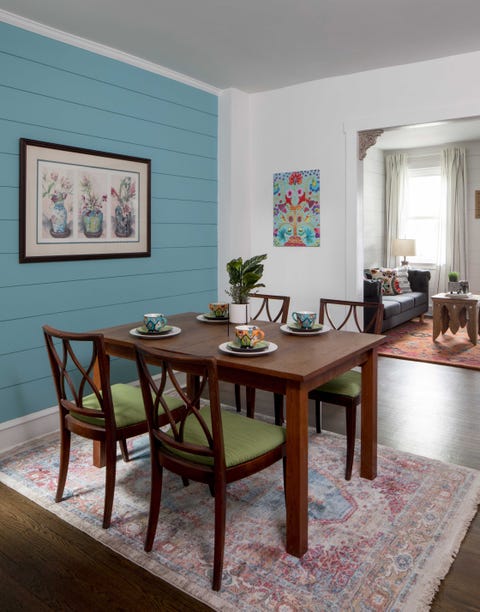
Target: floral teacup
(248,336)
(304,318)
(218,309)
(154,321)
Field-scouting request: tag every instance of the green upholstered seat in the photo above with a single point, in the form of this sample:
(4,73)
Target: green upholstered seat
(348,384)
(127,405)
(244,438)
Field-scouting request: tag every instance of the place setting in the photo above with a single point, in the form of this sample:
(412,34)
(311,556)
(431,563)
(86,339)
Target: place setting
(155,326)
(304,324)
(217,313)
(249,341)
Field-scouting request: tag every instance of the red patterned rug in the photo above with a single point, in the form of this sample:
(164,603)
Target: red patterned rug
(374,545)
(413,340)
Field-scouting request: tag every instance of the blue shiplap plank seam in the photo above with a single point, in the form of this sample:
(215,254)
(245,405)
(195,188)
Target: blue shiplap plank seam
(110,83)
(107,306)
(110,112)
(108,139)
(135,275)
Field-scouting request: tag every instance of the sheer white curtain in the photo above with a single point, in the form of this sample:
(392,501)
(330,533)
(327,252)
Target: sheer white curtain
(396,173)
(453,172)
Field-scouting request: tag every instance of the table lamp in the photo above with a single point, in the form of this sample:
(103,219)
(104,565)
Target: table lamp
(402,247)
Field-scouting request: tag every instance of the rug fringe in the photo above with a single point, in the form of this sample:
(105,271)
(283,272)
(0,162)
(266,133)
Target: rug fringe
(421,596)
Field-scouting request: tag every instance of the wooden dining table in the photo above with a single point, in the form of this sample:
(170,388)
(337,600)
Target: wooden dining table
(300,364)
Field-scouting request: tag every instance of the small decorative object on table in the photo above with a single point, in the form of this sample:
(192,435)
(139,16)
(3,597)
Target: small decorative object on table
(243,277)
(453,284)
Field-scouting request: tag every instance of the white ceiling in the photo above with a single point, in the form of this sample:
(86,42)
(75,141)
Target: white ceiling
(257,45)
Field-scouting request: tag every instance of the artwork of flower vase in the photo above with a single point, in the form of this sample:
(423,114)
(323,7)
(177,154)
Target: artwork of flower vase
(125,198)
(123,222)
(92,224)
(59,223)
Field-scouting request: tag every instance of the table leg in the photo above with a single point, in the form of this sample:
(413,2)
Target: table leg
(98,458)
(296,495)
(368,457)
(437,320)
(472,323)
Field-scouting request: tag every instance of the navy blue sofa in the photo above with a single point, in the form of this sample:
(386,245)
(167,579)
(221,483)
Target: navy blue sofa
(400,308)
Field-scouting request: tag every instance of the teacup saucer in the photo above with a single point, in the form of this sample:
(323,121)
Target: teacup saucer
(146,332)
(227,349)
(165,333)
(209,315)
(206,318)
(298,328)
(260,346)
(320,329)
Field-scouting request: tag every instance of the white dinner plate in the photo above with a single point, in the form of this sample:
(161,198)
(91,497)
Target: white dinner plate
(205,319)
(315,332)
(173,332)
(224,348)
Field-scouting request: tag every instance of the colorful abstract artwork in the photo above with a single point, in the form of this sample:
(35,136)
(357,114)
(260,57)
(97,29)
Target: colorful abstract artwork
(296,208)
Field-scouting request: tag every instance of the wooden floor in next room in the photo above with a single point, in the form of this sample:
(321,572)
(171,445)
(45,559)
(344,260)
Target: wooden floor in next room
(426,409)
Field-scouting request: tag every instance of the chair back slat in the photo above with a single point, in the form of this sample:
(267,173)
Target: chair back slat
(365,317)
(201,373)
(275,307)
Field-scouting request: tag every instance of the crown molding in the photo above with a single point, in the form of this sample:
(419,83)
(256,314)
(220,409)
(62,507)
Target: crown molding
(99,49)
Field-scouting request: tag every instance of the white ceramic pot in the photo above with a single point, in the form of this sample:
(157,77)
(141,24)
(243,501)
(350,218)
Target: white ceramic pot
(239,313)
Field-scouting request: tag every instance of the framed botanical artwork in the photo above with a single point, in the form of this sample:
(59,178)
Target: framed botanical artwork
(296,208)
(82,204)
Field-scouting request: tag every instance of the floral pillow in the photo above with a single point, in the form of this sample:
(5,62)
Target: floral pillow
(388,276)
(402,276)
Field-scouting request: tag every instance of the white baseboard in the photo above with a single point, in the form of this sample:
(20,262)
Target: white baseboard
(21,430)
(24,429)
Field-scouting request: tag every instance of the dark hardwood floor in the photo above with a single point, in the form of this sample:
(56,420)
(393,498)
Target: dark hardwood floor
(46,564)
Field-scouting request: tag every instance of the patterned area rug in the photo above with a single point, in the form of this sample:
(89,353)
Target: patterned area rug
(413,340)
(374,545)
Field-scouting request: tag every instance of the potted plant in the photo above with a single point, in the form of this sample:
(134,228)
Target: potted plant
(453,284)
(244,276)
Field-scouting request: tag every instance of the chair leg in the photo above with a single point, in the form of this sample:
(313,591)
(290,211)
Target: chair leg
(250,394)
(318,415)
(64,460)
(110,473)
(238,398)
(220,516)
(124,450)
(278,408)
(156,480)
(351,418)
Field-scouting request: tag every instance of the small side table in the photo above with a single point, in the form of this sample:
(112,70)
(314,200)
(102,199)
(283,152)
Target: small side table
(455,312)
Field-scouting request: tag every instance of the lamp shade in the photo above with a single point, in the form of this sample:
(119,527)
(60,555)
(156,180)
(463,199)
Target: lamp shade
(402,247)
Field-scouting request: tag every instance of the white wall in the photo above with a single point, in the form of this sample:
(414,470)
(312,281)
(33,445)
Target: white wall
(473,225)
(374,208)
(315,125)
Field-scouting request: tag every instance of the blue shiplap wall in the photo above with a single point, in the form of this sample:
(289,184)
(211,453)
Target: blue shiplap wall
(58,93)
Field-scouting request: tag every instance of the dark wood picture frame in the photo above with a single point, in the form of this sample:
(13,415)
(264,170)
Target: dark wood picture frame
(82,204)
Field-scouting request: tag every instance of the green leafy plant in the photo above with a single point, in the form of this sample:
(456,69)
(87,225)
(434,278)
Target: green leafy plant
(453,277)
(244,277)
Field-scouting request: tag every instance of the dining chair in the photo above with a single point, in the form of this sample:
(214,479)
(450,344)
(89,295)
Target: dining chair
(346,389)
(204,443)
(271,308)
(97,411)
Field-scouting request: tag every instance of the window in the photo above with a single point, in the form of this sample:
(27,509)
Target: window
(424,212)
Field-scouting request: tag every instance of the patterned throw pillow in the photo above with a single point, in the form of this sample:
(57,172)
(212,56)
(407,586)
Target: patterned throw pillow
(390,284)
(402,276)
